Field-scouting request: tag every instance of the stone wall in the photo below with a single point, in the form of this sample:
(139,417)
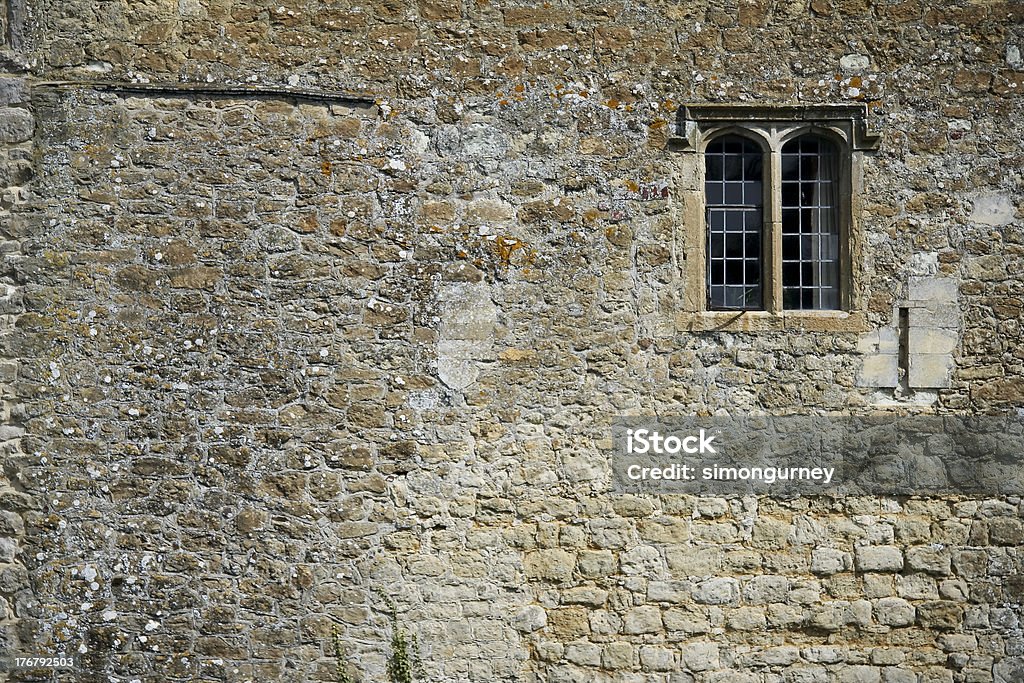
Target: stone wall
(273,351)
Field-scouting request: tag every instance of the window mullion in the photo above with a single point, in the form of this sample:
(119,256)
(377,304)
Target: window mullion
(773,233)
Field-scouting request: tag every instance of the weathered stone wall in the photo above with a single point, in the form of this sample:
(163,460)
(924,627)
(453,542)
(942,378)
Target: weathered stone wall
(277,353)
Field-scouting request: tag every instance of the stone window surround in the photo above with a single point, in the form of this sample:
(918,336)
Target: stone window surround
(771,126)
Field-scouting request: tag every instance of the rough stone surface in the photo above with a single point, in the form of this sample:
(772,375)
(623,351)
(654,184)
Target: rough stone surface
(269,357)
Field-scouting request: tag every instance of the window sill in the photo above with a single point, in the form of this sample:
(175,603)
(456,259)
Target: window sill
(765,321)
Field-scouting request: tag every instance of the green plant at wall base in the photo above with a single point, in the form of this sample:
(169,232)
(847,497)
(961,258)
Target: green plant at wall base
(404,664)
(341,662)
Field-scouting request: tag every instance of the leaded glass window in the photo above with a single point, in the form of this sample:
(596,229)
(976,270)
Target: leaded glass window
(735,206)
(810,226)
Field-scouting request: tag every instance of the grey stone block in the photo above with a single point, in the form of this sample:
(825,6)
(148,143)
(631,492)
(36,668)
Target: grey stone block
(16,125)
(879,558)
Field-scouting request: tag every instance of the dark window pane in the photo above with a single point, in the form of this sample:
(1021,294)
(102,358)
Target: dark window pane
(753,164)
(790,194)
(734,272)
(790,274)
(713,167)
(790,248)
(714,193)
(735,221)
(791,298)
(752,193)
(752,272)
(734,245)
(790,220)
(716,245)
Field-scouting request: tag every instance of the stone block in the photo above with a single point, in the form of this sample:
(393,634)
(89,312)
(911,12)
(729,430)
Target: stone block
(583,653)
(929,559)
(932,340)
(653,658)
(13,91)
(860,674)
(892,674)
(644,619)
(879,370)
(765,589)
(617,656)
(550,565)
(878,558)
(933,290)
(930,371)
(993,209)
(894,612)
(939,614)
(687,620)
(530,618)
(699,656)
(747,619)
(1009,670)
(596,563)
(716,592)
(16,125)
(830,561)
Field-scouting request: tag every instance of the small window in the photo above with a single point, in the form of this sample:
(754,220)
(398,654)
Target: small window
(775,188)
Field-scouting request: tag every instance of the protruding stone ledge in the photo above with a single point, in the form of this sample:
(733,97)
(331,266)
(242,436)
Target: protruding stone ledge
(353,100)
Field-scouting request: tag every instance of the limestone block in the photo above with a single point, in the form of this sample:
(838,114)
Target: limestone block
(16,125)
(939,614)
(583,653)
(466,333)
(993,209)
(765,589)
(879,558)
(930,370)
(530,618)
(717,592)
(687,620)
(644,619)
(553,565)
(933,290)
(675,592)
(891,674)
(830,561)
(617,656)
(932,341)
(860,674)
(654,658)
(894,612)
(747,619)
(700,656)
(880,370)
(928,559)
(1009,670)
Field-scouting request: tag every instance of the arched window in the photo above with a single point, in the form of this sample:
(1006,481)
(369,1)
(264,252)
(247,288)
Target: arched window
(734,194)
(810,224)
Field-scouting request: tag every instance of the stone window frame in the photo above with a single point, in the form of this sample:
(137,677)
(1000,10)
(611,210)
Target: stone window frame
(771,126)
